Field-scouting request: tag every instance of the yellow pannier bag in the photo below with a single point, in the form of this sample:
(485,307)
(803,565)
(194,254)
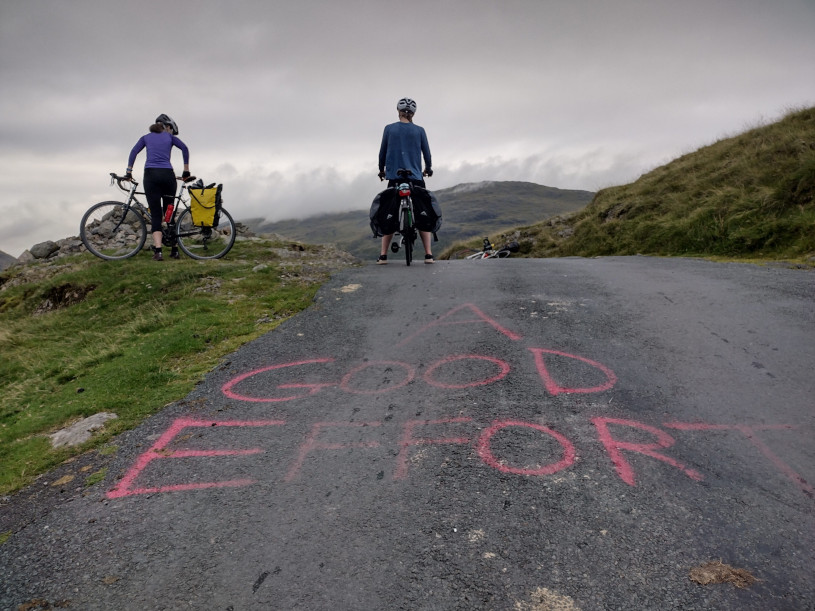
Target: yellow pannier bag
(205,203)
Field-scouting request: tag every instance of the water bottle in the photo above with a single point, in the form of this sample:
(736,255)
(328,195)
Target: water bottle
(169,214)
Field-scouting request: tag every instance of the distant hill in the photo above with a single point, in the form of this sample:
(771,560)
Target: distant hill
(468,210)
(748,196)
(6,260)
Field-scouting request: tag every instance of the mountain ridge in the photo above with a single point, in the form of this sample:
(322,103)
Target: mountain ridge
(468,210)
(6,260)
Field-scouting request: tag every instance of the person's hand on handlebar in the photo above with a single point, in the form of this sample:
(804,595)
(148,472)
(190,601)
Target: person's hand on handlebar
(428,172)
(185,176)
(128,176)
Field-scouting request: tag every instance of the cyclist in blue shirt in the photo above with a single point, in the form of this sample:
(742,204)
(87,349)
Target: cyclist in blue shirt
(403,146)
(159,177)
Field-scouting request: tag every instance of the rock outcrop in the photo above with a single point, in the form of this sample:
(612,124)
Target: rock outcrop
(50,250)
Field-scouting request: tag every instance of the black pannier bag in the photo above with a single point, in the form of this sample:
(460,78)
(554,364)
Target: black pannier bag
(384,212)
(427,210)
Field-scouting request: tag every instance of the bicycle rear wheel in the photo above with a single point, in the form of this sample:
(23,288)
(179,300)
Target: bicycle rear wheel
(107,233)
(205,242)
(410,237)
(464,253)
(407,229)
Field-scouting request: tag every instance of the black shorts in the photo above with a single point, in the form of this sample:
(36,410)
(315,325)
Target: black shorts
(397,181)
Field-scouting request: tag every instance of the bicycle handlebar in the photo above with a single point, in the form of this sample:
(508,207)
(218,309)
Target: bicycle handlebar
(406,174)
(119,179)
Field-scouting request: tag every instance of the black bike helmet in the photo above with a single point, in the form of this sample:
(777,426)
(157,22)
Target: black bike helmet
(406,104)
(166,120)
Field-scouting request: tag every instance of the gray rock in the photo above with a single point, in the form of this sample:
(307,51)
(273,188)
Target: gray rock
(81,431)
(26,257)
(43,250)
(69,245)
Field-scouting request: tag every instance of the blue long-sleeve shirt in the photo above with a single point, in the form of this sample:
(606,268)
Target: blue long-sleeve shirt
(159,147)
(403,146)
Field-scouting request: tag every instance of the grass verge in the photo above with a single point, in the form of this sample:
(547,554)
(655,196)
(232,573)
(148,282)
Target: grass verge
(82,336)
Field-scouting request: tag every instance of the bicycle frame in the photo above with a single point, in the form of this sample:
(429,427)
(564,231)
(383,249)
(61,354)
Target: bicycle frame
(168,237)
(501,253)
(405,208)
(132,193)
(488,251)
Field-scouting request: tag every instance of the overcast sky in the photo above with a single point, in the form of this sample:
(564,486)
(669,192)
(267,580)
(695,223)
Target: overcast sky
(285,102)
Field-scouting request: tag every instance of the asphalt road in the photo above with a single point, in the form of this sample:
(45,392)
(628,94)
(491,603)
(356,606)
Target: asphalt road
(511,434)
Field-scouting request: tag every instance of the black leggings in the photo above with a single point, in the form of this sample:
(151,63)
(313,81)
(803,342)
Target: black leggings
(159,183)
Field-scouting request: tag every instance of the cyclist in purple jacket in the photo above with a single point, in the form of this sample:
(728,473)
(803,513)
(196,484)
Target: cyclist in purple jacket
(159,177)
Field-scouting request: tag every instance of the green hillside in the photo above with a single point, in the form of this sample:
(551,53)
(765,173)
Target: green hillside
(474,209)
(80,336)
(750,196)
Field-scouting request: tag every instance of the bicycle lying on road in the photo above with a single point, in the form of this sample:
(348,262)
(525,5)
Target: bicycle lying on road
(114,230)
(488,251)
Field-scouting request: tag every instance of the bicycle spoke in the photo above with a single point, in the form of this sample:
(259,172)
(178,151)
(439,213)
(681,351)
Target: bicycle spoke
(205,242)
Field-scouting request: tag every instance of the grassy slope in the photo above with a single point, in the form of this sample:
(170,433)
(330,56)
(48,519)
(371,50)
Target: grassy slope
(468,210)
(749,196)
(130,337)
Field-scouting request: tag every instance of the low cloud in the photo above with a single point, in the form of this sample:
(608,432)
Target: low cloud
(274,194)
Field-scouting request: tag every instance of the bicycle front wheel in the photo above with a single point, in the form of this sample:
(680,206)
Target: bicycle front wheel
(111,232)
(205,242)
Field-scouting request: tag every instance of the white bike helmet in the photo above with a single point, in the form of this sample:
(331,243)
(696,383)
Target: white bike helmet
(406,104)
(166,120)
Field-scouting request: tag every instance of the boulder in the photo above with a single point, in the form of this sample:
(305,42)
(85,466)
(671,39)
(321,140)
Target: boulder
(81,431)
(43,250)
(26,257)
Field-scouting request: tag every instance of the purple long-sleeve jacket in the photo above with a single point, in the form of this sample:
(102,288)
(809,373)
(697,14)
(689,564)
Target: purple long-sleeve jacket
(159,147)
